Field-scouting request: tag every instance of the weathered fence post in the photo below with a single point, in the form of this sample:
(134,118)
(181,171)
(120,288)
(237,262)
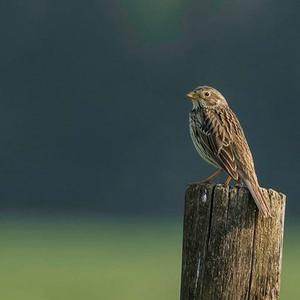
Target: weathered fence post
(229,250)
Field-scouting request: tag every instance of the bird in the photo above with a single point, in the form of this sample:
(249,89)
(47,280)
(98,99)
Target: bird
(220,140)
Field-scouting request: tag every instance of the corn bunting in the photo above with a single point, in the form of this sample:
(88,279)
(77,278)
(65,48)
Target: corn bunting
(219,139)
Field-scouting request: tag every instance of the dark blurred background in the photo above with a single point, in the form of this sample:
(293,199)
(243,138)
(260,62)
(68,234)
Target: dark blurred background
(93,109)
(93,113)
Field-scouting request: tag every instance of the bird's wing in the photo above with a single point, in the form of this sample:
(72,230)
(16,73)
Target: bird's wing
(223,138)
(215,132)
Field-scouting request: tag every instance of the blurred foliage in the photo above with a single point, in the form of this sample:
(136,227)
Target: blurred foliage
(155,21)
(71,259)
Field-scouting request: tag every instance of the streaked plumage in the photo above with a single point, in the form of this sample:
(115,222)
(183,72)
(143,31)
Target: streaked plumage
(219,139)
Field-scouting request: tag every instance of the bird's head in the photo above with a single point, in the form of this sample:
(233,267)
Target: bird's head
(206,96)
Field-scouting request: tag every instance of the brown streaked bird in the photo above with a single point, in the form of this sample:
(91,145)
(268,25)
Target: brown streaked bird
(219,139)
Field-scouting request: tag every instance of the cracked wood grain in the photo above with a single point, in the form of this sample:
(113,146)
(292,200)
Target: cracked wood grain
(229,250)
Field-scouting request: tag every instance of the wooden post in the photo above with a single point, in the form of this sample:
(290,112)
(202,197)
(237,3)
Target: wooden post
(229,250)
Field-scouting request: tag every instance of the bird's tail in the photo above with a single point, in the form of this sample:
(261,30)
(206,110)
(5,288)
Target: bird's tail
(261,200)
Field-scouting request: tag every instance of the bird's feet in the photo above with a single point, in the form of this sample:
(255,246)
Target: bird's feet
(209,179)
(200,182)
(227,181)
(240,184)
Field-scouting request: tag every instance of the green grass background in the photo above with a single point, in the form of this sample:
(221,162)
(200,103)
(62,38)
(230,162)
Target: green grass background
(72,259)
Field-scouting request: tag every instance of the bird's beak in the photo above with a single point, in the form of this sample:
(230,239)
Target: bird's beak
(191,95)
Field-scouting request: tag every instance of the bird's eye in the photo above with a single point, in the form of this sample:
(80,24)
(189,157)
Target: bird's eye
(207,94)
